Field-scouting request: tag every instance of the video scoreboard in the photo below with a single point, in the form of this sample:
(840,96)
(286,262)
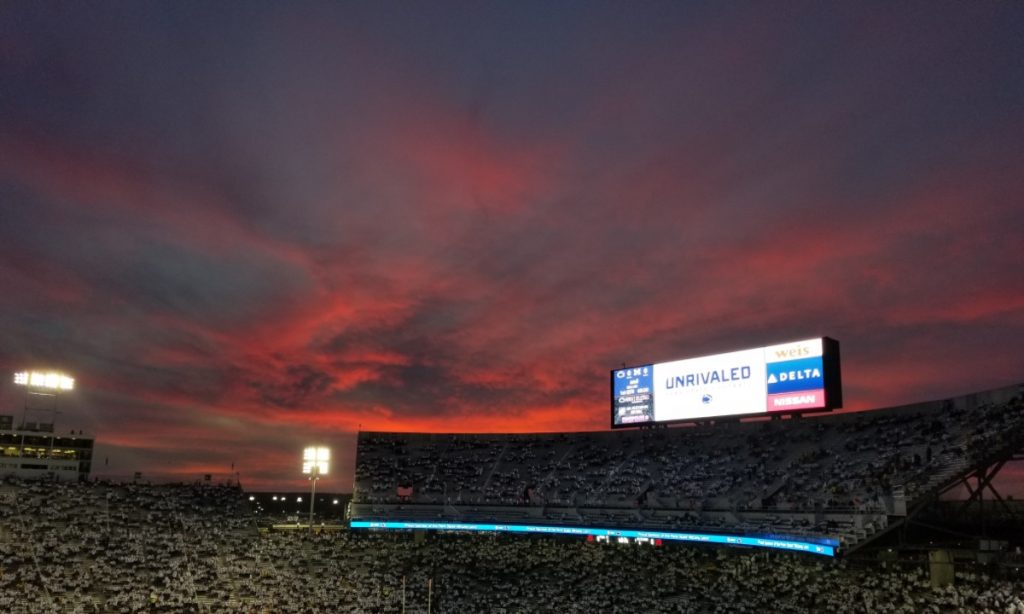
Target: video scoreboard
(782,378)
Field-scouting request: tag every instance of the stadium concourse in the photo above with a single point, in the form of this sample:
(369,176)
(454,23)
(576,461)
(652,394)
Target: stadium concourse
(102,547)
(847,477)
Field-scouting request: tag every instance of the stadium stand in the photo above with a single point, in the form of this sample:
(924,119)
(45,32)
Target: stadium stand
(100,547)
(104,547)
(848,476)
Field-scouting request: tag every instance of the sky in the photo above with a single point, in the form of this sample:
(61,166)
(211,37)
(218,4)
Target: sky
(248,227)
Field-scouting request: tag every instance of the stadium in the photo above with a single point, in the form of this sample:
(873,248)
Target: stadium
(790,512)
(511,307)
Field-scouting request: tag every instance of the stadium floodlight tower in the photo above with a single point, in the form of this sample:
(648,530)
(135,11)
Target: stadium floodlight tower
(314,464)
(43,385)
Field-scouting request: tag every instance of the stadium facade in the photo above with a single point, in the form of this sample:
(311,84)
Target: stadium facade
(35,451)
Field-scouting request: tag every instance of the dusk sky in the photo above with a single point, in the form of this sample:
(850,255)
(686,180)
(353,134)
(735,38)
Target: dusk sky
(247,227)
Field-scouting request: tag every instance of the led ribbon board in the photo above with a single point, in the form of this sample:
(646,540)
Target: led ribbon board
(823,546)
(788,377)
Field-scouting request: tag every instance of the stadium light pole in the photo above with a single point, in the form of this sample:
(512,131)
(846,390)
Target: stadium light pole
(315,460)
(44,383)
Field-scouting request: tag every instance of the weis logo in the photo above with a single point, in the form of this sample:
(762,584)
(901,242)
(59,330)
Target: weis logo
(795,352)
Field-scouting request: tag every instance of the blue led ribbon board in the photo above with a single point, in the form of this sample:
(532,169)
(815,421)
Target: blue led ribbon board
(821,546)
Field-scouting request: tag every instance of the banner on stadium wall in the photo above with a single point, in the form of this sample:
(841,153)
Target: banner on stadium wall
(787,377)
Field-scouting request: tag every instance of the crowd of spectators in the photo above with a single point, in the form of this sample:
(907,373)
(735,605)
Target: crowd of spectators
(863,465)
(73,546)
(94,547)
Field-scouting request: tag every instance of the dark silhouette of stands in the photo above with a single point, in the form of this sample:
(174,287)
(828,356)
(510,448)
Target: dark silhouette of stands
(850,475)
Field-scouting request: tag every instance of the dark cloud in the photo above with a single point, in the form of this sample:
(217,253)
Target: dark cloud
(246,229)
(300,383)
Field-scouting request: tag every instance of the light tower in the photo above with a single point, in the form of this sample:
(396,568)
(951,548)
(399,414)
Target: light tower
(43,385)
(314,464)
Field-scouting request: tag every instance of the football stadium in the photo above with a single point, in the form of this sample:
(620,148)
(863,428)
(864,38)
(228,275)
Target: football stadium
(750,509)
(511,307)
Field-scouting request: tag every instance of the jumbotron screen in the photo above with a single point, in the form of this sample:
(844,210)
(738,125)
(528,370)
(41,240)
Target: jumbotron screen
(784,378)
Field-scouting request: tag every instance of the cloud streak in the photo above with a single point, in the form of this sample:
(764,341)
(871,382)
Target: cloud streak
(245,232)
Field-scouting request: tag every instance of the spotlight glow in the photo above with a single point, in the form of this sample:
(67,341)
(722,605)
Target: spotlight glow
(315,460)
(50,380)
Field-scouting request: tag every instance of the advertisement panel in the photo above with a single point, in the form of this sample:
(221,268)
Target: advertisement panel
(824,546)
(719,385)
(787,377)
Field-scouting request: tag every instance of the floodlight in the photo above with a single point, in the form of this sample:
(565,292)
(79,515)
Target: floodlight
(314,464)
(315,460)
(40,379)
